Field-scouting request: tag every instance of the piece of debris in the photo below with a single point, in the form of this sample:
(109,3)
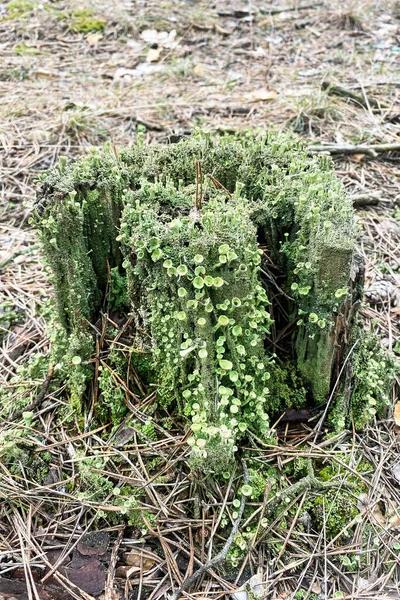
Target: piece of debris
(94,543)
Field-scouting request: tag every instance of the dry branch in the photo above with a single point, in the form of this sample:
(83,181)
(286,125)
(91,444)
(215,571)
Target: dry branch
(370,149)
(363,100)
(371,199)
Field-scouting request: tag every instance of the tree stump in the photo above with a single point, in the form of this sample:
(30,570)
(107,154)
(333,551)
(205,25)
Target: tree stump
(236,258)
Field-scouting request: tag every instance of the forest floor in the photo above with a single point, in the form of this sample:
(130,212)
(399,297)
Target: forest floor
(74,76)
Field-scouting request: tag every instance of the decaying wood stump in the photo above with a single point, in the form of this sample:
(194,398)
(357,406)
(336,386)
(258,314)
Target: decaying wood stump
(236,258)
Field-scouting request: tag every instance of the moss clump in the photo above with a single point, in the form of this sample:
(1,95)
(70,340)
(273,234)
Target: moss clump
(85,21)
(188,253)
(19,9)
(333,511)
(17,74)
(78,229)
(286,387)
(111,405)
(95,484)
(366,392)
(18,453)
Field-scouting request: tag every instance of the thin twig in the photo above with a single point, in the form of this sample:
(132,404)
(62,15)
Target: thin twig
(337,90)
(371,149)
(221,556)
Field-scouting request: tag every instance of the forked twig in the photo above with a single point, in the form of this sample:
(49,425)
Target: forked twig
(219,186)
(221,556)
(109,587)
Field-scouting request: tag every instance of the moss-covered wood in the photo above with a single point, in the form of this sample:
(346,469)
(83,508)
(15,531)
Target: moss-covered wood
(236,258)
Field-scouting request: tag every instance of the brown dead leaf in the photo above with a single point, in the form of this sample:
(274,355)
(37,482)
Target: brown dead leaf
(378,515)
(93,39)
(199,70)
(124,572)
(358,157)
(396,413)
(222,31)
(394,521)
(153,55)
(262,94)
(316,588)
(374,513)
(138,560)
(111,595)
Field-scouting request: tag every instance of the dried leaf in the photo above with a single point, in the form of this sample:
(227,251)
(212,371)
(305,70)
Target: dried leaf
(377,515)
(358,157)
(316,588)
(165,39)
(394,521)
(262,94)
(374,513)
(153,55)
(135,559)
(222,31)
(124,572)
(396,413)
(199,70)
(93,39)
(123,436)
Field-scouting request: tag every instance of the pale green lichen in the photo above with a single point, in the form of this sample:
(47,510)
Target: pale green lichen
(366,391)
(195,276)
(196,283)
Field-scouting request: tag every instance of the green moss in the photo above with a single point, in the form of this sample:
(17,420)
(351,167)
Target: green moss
(333,512)
(79,211)
(118,293)
(111,405)
(305,595)
(19,9)
(129,501)
(367,391)
(286,387)
(335,509)
(22,49)
(26,381)
(16,74)
(95,486)
(17,454)
(21,6)
(124,232)
(84,21)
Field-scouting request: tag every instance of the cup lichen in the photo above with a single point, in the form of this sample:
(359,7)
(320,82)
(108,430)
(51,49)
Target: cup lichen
(193,228)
